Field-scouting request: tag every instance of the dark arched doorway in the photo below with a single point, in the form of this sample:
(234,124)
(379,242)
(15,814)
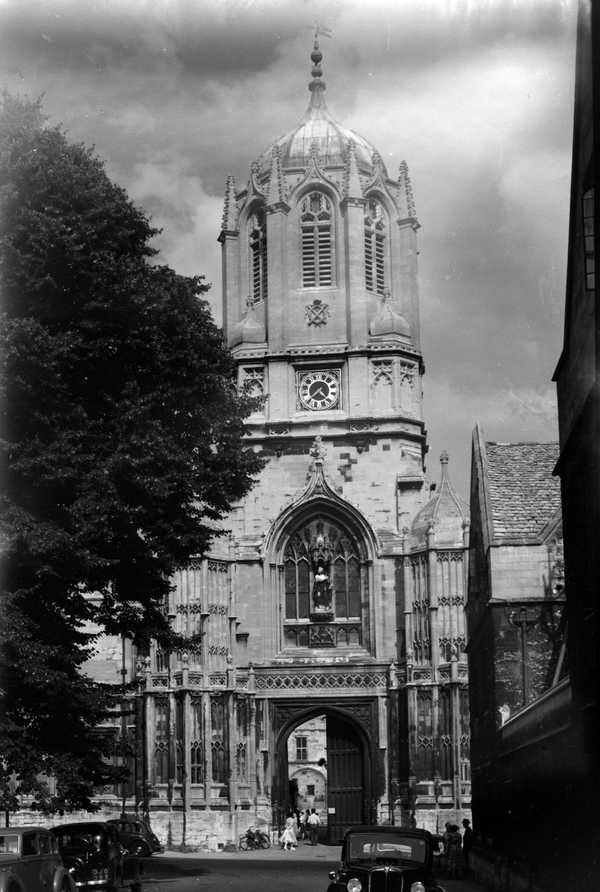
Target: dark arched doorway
(346,762)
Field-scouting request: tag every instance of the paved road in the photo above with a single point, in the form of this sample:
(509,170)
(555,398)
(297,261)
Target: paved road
(264,871)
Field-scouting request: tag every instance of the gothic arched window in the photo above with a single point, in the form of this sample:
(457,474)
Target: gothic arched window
(257,245)
(375,239)
(322,588)
(316,220)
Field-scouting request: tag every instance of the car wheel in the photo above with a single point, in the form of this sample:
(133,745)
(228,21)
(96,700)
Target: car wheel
(141,849)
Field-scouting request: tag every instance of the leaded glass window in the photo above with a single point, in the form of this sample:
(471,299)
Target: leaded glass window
(161,742)
(322,595)
(196,742)
(218,739)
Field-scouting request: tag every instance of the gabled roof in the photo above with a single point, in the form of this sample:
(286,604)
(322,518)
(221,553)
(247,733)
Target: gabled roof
(522,495)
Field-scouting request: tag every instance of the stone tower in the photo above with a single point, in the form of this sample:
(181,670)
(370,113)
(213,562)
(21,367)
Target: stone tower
(306,609)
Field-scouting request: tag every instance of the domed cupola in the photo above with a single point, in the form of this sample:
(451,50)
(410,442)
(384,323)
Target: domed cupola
(444,517)
(317,133)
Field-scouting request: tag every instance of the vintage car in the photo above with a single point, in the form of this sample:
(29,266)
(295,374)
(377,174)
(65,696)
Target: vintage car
(385,859)
(92,853)
(30,862)
(135,834)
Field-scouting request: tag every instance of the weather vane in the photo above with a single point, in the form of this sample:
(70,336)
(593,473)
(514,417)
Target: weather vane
(321,30)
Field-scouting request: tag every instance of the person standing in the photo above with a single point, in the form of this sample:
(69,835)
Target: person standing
(289,840)
(467,841)
(313,826)
(454,852)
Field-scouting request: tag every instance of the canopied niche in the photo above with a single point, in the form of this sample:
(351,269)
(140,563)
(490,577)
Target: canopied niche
(324,586)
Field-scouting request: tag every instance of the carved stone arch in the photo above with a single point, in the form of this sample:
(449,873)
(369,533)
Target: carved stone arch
(320,498)
(315,184)
(384,198)
(359,717)
(324,590)
(254,203)
(362,714)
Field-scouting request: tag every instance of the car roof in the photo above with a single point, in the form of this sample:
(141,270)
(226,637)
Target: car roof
(80,825)
(24,828)
(417,832)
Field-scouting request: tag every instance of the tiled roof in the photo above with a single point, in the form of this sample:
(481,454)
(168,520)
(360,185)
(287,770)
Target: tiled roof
(523,494)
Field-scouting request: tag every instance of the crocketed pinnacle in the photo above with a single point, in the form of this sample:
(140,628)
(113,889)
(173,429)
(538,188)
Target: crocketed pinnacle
(229,220)
(276,193)
(352,185)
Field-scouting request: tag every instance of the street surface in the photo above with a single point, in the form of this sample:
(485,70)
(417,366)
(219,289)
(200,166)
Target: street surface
(259,871)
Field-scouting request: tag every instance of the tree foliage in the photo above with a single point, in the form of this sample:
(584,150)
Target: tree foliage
(121,441)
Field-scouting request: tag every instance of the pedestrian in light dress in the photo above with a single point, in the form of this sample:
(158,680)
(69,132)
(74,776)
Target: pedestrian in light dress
(289,839)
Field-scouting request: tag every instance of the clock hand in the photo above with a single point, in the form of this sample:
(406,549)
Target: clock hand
(319,392)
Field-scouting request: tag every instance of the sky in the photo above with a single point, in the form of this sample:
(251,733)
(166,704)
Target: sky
(476,96)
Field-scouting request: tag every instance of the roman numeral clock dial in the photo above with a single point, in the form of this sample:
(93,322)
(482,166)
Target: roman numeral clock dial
(319,390)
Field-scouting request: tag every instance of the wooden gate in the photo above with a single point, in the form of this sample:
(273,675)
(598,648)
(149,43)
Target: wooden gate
(345,779)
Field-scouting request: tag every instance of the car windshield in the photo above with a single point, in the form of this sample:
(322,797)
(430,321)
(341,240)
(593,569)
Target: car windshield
(9,844)
(394,847)
(88,836)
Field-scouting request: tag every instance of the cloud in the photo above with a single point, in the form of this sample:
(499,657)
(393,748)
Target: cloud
(475,94)
(187,215)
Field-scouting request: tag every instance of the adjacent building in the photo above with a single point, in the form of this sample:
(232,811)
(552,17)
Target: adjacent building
(578,385)
(523,754)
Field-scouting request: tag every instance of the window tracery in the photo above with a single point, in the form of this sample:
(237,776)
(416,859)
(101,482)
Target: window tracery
(322,588)
(316,221)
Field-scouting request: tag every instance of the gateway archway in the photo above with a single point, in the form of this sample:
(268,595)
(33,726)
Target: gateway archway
(323,759)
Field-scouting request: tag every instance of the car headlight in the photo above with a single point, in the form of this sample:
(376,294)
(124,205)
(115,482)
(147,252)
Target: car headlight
(417,887)
(354,885)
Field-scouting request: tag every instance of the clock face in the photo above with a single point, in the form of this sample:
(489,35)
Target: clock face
(319,390)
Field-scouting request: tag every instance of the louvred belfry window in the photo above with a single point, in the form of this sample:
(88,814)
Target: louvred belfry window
(257,238)
(317,243)
(375,238)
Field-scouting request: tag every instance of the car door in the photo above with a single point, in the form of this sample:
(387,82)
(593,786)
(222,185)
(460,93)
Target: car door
(48,860)
(30,862)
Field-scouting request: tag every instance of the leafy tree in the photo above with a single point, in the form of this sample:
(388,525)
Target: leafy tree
(121,443)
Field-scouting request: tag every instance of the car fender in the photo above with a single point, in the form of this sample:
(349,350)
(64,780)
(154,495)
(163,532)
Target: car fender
(9,881)
(58,884)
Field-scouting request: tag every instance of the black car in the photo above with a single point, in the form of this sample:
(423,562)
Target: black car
(92,853)
(135,834)
(385,859)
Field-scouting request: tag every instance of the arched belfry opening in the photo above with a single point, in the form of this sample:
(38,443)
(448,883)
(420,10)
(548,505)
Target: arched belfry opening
(324,757)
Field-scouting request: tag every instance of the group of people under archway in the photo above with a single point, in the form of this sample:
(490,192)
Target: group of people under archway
(300,824)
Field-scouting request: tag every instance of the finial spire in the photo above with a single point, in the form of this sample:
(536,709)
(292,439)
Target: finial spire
(317,86)
(444,459)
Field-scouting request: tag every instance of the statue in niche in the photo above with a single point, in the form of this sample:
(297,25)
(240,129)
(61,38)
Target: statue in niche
(321,552)
(322,591)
